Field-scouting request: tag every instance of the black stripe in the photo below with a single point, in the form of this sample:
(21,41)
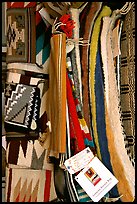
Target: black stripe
(124,115)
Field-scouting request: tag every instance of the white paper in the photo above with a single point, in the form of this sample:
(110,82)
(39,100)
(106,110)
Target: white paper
(96,179)
(79,161)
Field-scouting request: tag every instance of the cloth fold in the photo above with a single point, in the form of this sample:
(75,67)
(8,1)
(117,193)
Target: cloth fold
(57,93)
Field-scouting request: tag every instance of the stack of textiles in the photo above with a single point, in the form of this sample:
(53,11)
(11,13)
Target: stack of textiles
(65,91)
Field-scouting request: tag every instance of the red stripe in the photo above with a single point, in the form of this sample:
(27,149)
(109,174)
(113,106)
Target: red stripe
(75,128)
(8,4)
(24,199)
(47,186)
(17,199)
(29,199)
(31,4)
(20,5)
(38,18)
(17,5)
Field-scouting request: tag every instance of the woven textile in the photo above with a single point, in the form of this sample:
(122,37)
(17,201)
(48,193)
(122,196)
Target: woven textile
(21,107)
(70,181)
(75,16)
(68,101)
(20,44)
(127,82)
(26,154)
(26,157)
(128,174)
(29,75)
(87,16)
(106,11)
(37,187)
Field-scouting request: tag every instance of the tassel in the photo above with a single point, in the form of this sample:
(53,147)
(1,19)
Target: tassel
(79,41)
(125,9)
(66,25)
(62,160)
(68,28)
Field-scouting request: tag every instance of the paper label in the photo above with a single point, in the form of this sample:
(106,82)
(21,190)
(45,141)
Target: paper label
(96,179)
(79,161)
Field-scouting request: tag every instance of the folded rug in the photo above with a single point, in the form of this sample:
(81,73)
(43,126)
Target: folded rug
(106,11)
(87,16)
(114,129)
(127,81)
(57,92)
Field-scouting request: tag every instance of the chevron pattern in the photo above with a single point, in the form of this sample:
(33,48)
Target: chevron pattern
(27,154)
(36,187)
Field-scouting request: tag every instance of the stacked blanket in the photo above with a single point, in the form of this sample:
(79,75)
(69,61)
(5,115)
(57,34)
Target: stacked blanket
(70,85)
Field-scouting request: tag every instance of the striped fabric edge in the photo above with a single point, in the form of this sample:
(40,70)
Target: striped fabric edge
(69,178)
(84,51)
(106,11)
(115,120)
(101,123)
(75,16)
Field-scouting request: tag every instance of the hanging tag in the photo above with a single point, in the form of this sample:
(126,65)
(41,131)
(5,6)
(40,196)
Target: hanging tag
(79,161)
(96,179)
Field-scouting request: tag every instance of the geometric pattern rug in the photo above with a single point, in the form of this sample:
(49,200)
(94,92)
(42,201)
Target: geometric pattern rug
(28,185)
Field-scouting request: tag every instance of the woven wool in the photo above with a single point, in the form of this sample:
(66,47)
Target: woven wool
(115,121)
(37,187)
(101,123)
(93,52)
(75,129)
(21,22)
(70,181)
(87,16)
(78,129)
(23,154)
(123,186)
(103,39)
(27,154)
(98,96)
(88,140)
(30,74)
(75,16)
(127,82)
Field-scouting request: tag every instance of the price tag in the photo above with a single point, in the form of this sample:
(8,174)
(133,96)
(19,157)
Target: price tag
(79,161)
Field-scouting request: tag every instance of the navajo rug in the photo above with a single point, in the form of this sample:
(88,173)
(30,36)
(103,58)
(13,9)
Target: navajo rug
(88,16)
(127,82)
(114,126)
(30,157)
